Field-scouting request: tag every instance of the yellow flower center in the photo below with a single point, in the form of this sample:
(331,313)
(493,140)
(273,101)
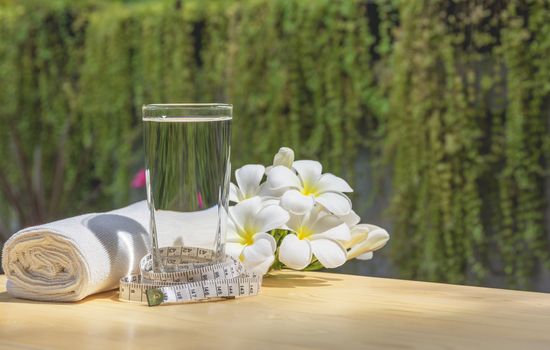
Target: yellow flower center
(247,236)
(309,189)
(304,232)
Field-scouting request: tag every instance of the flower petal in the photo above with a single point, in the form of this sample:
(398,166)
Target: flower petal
(295,253)
(295,202)
(266,201)
(366,256)
(294,222)
(332,183)
(265,191)
(330,227)
(233,232)
(266,237)
(258,266)
(269,218)
(309,171)
(249,178)
(258,251)
(243,213)
(282,177)
(337,203)
(329,253)
(377,237)
(234,193)
(358,235)
(351,219)
(259,257)
(234,249)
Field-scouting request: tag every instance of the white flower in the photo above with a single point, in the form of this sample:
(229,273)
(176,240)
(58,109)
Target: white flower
(249,178)
(310,187)
(247,237)
(315,233)
(365,239)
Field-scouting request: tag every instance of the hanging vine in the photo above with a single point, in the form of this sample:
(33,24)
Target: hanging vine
(468,136)
(451,97)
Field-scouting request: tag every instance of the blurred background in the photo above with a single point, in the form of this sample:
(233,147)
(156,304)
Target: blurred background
(437,112)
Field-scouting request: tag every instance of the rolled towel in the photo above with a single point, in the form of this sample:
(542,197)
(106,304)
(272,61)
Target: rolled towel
(69,259)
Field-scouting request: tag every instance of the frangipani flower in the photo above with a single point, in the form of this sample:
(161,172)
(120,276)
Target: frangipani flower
(310,187)
(322,222)
(249,179)
(247,237)
(316,233)
(365,239)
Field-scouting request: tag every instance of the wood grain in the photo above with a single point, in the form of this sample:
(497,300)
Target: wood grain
(296,310)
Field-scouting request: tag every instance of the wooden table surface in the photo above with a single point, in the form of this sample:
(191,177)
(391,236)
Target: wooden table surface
(296,310)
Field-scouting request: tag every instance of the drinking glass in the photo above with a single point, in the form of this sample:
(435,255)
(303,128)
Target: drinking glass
(187,157)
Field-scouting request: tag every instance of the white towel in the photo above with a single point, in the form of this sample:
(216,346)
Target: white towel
(69,259)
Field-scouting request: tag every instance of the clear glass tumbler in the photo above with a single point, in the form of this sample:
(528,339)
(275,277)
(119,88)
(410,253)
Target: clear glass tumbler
(187,157)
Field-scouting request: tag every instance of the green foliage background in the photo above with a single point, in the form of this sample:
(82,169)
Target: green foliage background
(451,99)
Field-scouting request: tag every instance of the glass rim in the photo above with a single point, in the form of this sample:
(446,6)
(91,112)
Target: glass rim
(187,111)
(154,106)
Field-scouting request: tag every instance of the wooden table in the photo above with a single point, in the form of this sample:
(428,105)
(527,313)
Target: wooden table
(295,311)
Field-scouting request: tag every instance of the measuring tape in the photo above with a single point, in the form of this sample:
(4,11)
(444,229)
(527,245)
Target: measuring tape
(195,278)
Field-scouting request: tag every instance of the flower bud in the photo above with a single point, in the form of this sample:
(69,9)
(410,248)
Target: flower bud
(284,157)
(364,240)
